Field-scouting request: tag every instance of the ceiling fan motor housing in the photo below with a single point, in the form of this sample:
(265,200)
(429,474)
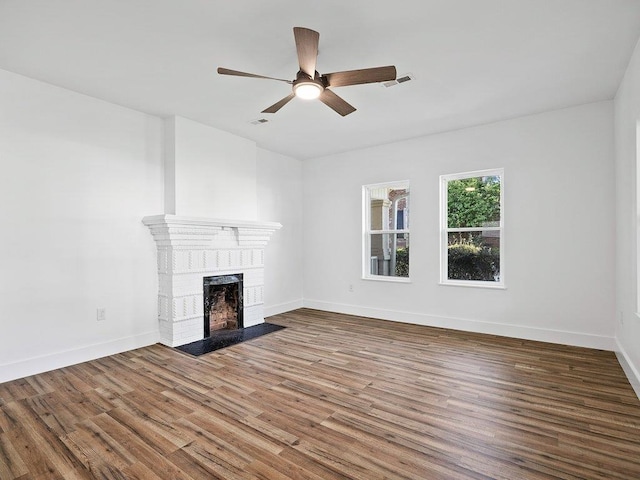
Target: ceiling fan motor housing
(306,87)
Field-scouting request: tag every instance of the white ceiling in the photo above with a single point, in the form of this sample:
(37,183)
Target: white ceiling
(474,61)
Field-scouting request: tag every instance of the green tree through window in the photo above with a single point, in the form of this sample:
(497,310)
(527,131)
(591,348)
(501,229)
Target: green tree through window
(473,202)
(472,227)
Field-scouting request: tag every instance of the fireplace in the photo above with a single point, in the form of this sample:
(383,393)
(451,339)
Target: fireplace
(222,303)
(190,248)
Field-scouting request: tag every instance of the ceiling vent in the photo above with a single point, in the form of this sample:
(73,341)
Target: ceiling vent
(258,121)
(402,79)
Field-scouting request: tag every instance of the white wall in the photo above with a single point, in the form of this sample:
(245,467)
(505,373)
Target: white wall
(559,235)
(627,136)
(78,175)
(214,172)
(280,200)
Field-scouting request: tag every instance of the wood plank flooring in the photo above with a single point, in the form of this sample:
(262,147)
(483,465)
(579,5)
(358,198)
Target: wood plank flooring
(330,397)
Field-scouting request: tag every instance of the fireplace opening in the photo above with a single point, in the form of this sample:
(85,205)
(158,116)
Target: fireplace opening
(222,303)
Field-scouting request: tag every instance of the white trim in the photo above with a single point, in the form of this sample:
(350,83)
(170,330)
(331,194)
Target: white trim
(182,221)
(390,232)
(367,232)
(45,363)
(472,284)
(562,337)
(383,278)
(488,172)
(366,239)
(394,184)
(474,229)
(630,370)
(282,308)
(444,229)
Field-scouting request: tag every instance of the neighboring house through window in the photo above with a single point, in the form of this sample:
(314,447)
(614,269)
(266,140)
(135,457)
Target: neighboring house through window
(386,231)
(472,223)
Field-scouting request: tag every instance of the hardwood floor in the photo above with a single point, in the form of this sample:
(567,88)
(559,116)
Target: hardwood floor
(330,397)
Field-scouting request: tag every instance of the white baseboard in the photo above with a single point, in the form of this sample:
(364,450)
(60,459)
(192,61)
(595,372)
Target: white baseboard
(630,370)
(501,329)
(35,365)
(282,308)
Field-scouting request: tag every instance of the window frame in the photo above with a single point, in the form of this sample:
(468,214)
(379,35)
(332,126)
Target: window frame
(368,232)
(445,230)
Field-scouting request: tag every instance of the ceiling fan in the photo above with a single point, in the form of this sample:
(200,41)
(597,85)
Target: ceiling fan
(310,84)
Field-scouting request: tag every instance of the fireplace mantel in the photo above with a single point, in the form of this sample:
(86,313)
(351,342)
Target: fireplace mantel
(174,229)
(190,248)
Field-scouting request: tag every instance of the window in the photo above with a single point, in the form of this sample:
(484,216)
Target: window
(472,223)
(386,231)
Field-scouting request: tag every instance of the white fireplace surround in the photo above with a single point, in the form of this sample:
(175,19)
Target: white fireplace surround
(191,248)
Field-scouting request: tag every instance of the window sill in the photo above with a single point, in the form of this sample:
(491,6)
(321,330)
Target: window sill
(383,278)
(499,286)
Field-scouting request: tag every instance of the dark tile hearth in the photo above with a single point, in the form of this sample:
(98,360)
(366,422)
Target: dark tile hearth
(228,338)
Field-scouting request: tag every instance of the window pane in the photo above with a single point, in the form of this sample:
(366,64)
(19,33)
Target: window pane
(389,208)
(389,255)
(474,256)
(473,202)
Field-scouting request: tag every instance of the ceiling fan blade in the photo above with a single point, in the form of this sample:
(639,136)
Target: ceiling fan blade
(359,77)
(279,104)
(307,48)
(335,102)
(236,73)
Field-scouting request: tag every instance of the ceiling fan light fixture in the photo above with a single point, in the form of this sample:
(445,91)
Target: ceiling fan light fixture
(309,84)
(307,90)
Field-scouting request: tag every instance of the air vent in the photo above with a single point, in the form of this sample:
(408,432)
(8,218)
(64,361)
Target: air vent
(402,79)
(258,121)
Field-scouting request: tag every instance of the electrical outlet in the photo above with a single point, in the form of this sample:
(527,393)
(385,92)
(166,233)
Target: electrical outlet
(101,314)
(351,287)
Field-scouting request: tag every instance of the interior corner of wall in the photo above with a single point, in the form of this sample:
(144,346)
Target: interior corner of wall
(170,165)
